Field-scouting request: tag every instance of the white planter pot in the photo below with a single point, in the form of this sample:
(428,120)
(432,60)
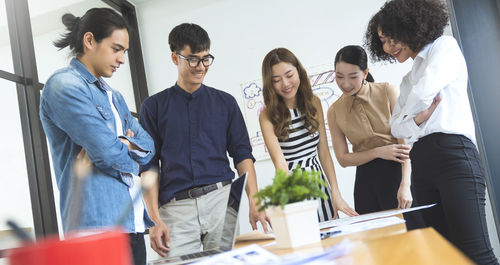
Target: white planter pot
(296,224)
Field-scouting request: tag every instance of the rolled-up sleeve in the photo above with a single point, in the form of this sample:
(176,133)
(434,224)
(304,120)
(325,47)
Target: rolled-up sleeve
(402,127)
(141,139)
(239,147)
(147,121)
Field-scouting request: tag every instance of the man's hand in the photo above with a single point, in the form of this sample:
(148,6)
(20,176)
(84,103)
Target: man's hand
(159,237)
(82,165)
(256,216)
(426,114)
(130,145)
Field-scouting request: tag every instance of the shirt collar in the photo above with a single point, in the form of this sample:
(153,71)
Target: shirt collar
(424,51)
(362,94)
(88,76)
(188,95)
(103,85)
(82,69)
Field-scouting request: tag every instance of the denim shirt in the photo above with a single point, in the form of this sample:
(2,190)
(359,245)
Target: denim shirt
(75,114)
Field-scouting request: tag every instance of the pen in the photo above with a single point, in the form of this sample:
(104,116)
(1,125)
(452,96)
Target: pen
(19,232)
(329,234)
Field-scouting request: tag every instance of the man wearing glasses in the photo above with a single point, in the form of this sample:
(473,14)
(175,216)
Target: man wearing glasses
(194,126)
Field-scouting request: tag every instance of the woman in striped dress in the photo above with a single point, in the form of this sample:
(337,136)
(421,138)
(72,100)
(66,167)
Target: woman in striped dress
(293,126)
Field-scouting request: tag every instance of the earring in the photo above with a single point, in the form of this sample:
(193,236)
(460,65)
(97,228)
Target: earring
(364,82)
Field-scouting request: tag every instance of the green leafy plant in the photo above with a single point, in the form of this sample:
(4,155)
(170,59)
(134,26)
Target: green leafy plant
(300,185)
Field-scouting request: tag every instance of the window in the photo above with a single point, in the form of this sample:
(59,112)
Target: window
(15,200)
(5,50)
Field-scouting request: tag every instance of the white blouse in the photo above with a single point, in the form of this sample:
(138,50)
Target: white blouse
(439,68)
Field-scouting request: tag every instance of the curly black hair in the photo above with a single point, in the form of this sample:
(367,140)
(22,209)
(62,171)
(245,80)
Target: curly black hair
(415,23)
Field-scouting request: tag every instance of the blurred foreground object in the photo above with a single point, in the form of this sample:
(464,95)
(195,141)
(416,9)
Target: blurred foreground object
(100,248)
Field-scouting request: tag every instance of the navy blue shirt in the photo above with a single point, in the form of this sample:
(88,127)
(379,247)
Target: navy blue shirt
(192,133)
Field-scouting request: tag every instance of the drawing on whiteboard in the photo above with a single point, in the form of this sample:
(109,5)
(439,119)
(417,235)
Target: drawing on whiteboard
(252,91)
(323,84)
(322,78)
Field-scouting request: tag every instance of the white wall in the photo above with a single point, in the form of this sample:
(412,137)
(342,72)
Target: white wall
(242,32)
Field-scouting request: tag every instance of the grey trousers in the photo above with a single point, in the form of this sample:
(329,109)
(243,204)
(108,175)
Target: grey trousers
(195,224)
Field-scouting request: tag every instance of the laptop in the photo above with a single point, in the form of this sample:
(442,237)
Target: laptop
(226,242)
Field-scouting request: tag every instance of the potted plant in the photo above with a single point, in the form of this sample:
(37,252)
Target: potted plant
(290,202)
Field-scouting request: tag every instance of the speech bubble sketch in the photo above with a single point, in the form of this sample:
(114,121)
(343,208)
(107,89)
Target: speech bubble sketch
(252,91)
(324,93)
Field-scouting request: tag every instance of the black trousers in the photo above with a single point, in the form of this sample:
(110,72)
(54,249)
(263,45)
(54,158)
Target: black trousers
(376,189)
(138,248)
(447,171)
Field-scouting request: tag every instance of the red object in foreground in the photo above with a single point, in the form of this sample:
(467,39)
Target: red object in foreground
(101,248)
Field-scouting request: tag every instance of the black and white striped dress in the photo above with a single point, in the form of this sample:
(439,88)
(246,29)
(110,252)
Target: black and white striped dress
(301,148)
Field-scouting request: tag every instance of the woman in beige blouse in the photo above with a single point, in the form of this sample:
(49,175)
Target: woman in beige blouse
(362,115)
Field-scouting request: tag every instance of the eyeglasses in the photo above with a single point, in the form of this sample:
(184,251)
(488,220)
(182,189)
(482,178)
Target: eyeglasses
(195,61)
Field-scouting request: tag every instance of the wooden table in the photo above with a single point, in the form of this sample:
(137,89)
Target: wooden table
(387,245)
(421,246)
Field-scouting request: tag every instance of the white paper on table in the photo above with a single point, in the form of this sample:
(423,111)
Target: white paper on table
(368,216)
(364,226)
(251,255)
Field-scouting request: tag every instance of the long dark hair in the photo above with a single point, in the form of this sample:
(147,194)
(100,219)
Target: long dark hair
(275,106)
(354,54)
(101,22)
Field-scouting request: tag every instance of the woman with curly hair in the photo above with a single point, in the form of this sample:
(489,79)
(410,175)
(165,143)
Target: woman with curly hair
(433,114)
(293,126)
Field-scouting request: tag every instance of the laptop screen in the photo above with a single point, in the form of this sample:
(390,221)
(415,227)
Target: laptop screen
(231,219)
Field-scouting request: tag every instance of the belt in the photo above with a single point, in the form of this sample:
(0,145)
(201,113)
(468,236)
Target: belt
(200,191)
